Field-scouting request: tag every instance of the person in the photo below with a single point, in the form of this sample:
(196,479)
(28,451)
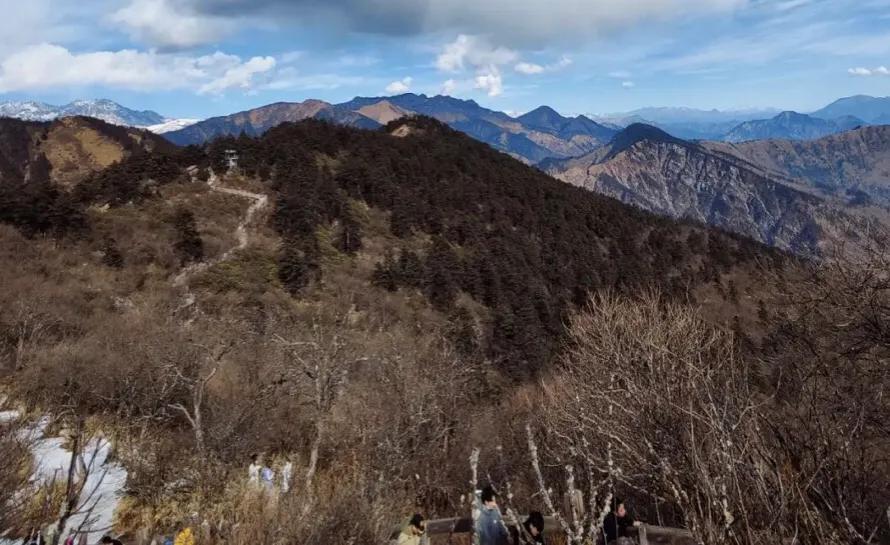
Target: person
(617,522)
(534,529)
(253,471)
(185,537)
(287,473)
(490,526)
(413,531)
(70,539)
(108,540)
(267,476)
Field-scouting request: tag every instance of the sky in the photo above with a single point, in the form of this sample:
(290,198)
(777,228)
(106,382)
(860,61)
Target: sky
(199,58)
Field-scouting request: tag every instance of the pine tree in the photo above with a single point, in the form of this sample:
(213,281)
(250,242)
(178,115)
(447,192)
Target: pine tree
(189,246)
(441,268)
(111,255)
(351,228)
(298,263)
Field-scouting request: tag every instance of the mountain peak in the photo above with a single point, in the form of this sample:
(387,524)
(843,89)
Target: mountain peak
(638,132)
(543,117)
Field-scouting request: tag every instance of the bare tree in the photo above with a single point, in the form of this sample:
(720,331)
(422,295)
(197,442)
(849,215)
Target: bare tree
(316,365)
(829,356)
(652,397)
(195,379)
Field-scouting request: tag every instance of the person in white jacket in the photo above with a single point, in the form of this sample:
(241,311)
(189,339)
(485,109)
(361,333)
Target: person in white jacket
(253,471)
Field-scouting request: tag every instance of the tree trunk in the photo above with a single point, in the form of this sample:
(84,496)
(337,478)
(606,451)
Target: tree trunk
(313,457)
(72,493)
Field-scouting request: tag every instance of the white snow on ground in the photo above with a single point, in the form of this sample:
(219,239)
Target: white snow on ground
(104,485)
(171,125)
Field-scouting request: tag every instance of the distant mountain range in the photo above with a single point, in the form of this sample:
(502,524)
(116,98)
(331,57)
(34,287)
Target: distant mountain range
(851,167)
(532,137)
(873,110)
(791,126)
(104,109)
(649,168)
(689,123)
(535,136)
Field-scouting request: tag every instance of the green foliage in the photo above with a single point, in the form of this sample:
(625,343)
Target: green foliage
(525,245)
(298,263)
(189,246)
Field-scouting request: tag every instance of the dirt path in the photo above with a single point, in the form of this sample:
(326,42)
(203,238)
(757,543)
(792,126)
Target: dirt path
(260,201)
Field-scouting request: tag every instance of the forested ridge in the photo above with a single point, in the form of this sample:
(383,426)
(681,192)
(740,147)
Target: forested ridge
(411,295)
(525,245)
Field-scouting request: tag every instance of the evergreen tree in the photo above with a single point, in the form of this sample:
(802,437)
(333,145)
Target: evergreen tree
(298,263)
(440,278)
(189,246)
(111,255)
(351,228)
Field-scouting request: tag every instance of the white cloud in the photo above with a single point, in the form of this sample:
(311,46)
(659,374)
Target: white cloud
(563,62)
(472,51)
(448,87)
(879,71)
(170,25)
(401,86)
(620,74)
(480,56)
(528,68)
(239,76)
(627,84)
(490,81)
(45,66)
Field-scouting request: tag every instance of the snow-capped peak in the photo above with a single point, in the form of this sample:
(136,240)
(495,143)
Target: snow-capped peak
(104,109)
(171,125)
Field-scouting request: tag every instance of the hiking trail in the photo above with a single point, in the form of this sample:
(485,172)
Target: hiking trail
(260,201)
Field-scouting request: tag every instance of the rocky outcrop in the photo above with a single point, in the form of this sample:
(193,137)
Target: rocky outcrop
(645,167)
(853,166)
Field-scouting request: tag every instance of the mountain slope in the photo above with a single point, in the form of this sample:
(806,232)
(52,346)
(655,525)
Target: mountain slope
(104,109)
(867,108)
(531,137)
(523,245)
(792,126)
(71,148)
(846,166)
(383,112)
(524,138)
(258,120)
(646,167)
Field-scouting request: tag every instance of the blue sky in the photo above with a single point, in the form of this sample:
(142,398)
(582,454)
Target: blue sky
(198,58)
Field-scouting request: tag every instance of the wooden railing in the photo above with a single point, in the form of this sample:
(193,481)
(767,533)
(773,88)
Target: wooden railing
(459,531)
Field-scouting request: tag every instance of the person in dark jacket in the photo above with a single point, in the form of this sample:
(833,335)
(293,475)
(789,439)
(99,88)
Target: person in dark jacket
(108,540)
(490,527)
(617,522)
(533,530)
